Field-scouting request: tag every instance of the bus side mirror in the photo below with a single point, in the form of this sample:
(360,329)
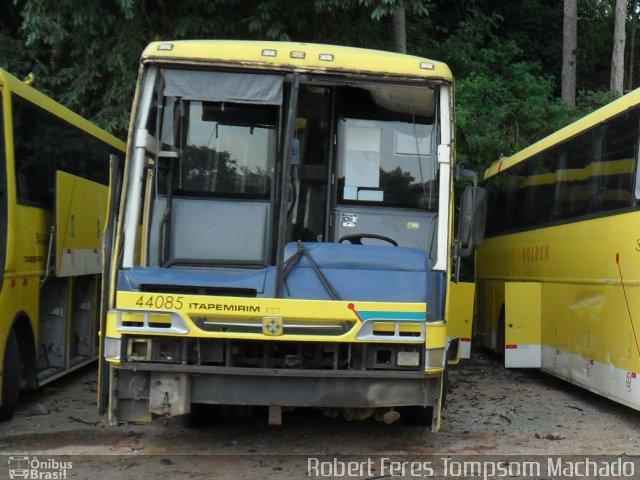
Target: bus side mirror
(473,218)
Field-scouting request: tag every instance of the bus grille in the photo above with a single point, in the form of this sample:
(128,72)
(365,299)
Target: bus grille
(277,355)
(255,325)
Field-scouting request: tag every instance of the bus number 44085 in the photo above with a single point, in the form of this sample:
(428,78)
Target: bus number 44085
(160,301)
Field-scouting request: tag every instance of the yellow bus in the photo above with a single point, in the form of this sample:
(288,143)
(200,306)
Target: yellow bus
(54,169)
(285,233)
(558,275)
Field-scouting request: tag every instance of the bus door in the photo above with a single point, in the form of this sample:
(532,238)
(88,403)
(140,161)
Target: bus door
(69,290)
(3,191)
(523,325)
(460,315)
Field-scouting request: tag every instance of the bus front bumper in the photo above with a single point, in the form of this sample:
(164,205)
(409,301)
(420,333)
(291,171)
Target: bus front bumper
(140,391)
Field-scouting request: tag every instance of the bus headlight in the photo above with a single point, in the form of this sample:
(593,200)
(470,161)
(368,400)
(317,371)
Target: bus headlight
(408,359)
(112,348)
(150,322)
(435,358)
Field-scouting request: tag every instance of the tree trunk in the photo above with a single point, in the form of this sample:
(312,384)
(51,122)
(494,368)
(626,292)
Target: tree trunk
(632,52)
(569,46)
(619,38)
(399,30)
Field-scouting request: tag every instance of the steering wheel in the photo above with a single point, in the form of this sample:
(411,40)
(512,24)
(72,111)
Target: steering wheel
(356,238)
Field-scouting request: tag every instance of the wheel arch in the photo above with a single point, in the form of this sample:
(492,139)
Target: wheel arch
(23,329)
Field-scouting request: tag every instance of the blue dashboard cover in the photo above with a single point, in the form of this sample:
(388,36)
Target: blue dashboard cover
(364,273)
(139,277)
(356,273)
(363,257)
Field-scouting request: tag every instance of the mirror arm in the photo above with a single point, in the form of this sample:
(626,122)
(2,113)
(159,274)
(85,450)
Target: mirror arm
(466,173)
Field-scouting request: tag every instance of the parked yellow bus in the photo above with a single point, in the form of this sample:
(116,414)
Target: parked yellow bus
(558,276)
(54,169)
(285,233)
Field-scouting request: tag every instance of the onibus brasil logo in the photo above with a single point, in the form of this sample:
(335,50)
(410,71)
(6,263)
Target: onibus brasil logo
(33,468)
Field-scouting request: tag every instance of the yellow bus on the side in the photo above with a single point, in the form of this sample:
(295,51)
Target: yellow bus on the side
(558,277)
(54,171)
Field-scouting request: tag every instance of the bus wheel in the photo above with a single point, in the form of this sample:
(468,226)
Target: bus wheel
(417,416)
(10,377)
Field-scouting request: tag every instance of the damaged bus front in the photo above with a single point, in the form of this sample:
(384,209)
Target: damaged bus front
(284,236)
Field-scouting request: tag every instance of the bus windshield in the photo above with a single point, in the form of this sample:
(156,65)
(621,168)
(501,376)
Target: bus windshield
(365,150)
(387,162)
(387,146)
(226,149)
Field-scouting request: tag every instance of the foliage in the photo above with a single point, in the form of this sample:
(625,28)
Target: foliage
(506,56)
(503,101)
(506,97)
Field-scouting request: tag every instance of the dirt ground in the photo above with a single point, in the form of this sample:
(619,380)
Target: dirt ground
(489,410)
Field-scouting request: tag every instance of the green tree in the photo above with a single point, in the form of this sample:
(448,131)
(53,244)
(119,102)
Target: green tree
(503,101)
(569,47)
(506,56)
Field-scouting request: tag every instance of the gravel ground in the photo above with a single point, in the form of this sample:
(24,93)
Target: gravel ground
(490,411)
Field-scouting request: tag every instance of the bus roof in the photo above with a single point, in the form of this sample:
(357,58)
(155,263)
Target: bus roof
(298,57)
(617,106)
(12,84)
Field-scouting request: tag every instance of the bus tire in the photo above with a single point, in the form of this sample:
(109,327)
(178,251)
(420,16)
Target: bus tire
(10,377)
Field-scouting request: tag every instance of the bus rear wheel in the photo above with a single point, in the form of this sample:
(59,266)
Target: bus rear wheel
(10,377)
